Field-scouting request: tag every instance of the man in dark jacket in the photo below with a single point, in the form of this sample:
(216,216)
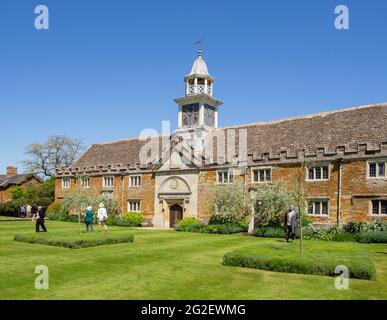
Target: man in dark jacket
(291,220)
(40,220)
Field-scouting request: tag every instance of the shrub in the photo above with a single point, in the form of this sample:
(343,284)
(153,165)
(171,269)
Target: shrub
(9,209)
(372,237)
(354,227)
(133,219)
(270,202)
(229,204)
(190,224)
(378,225)
(74,244)
(186,222)
(269,232)
(361,268)
(55,208)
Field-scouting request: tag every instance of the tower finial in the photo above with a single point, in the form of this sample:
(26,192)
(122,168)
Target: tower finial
(199,44)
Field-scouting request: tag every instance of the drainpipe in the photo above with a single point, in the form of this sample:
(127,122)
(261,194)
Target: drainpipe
(122,192)
(339,187)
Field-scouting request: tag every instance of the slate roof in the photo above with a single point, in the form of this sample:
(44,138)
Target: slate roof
(328,130)
(6,181)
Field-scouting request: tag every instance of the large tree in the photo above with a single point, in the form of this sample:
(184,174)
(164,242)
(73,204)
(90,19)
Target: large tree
(57,151)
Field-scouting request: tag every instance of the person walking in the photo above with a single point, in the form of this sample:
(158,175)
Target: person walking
(290,223)
(89,218)
(34,212)
(40,215)
(102,216)
(23,211)
(28,209)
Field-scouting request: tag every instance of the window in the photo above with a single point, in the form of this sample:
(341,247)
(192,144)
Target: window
(318,207)
(377,169)
(318,173)
(225,177)
(85,183)
(66,183)
(134,205)
(379,207)
(262,175)
(108,182)
(135,181)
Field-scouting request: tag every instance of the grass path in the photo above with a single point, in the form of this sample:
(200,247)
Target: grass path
(163,265)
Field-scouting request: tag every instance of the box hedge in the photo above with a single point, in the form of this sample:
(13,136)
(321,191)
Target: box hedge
(359,266)
(76,243)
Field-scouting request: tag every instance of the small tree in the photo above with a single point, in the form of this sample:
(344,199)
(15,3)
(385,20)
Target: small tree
(78,199)
(300,198)
(229,203)
(270,203)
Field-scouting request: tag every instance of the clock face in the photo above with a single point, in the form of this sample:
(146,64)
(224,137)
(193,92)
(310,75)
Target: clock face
(209,115)
(190,115)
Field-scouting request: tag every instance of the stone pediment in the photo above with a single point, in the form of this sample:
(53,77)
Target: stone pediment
(174,186)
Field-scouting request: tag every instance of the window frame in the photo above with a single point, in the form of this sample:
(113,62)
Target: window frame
(88,185)
(320,200)
(379,214)
(66,185)
(134,201)
(321,169)
(104,186)
(132,177)
(229,174)
(262,169)
(377,164)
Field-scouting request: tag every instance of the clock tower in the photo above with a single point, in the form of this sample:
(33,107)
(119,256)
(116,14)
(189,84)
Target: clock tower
(198,110)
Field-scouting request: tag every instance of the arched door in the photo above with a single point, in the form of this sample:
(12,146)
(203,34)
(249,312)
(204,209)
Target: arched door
(175,215)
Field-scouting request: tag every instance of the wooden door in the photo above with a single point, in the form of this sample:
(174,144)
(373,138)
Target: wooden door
(175,215)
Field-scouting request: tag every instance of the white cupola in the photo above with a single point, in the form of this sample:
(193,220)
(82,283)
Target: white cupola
(199,80)
(198,109)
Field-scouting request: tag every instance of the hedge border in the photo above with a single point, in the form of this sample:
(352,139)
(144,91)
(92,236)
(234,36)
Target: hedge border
(74,244)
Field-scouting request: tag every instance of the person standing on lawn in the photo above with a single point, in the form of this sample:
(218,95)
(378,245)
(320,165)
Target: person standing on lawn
(102,216)
(89,218)
(290,223)
(39,217)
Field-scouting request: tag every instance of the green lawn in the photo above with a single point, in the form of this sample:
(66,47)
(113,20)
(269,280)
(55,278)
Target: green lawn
(164,265)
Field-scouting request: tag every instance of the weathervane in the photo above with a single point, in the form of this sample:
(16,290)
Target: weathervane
(199,44)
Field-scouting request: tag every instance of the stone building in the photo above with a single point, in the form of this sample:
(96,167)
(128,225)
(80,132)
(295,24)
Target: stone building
(12,178)
(340,155)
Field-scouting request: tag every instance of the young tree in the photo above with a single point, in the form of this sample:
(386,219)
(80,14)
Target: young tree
(270,202)
(229,203)
(55,152)
(300,197)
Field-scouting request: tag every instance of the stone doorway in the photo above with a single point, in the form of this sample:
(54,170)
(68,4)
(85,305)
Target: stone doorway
(175,215)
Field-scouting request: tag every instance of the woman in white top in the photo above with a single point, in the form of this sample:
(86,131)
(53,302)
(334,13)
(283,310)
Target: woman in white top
(102,216)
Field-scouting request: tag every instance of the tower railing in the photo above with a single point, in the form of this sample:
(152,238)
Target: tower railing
(198,89)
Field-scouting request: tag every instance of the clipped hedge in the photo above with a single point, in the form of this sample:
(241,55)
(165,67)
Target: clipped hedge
(372,237)
(191,224)
(74,244)
(304,264)
(349,232)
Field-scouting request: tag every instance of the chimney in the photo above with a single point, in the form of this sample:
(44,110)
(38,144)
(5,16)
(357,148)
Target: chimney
(11,171)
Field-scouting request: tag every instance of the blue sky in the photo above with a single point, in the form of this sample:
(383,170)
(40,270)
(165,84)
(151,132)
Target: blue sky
(106,70)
